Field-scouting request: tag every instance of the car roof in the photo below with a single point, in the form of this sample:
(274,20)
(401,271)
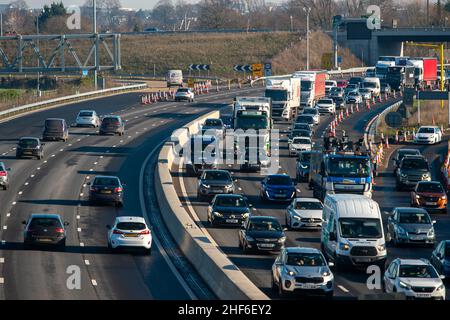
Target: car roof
(33,138)
(102,176)
(302,250)
(45,215)
(253,218)
(414,262)
(307,200)
(130,219)
(354,206)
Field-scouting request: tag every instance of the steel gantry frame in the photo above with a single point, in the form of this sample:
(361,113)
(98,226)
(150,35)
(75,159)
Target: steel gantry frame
(56,60)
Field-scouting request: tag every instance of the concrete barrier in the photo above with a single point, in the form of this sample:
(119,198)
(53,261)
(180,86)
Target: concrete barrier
(221,275)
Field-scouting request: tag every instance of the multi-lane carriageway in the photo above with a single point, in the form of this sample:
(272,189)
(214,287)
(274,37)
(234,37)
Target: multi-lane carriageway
(349,285)
(57,184)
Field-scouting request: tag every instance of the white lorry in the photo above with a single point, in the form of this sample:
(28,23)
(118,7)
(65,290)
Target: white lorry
(285,95)
(382,65)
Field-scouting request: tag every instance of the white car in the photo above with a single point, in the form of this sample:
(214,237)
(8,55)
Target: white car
(184,94)
(299,144)
(88,118)
(303,270)
(415,278)
(326,105)
(428,135)
(130,232)
(365,93)
(353,97)
(304,213)
(314,112)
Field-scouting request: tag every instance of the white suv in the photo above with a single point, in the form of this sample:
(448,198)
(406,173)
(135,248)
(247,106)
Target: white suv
(184,94)
(130,232)
(428,135)
(415,278)
(326,105)
(88,118)
(4,182)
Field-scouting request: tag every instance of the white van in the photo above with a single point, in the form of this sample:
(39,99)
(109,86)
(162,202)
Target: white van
(174,78)
(352,231)
(373,84)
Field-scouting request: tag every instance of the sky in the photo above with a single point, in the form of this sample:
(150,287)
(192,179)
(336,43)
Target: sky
(144,4)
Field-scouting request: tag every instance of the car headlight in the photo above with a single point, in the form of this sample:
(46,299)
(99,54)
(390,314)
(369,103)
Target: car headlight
(381,247)
(282,239)
(245,215)
(431,233)
(326,273)
(291,273)
(425,176)
(444,198)
(230,186)
(417,196)
(403,175)
(403,285)
(218,214)
(366,187)
(441,287)
(205,186)
(296,217)
(400,230)
(344,246)
(303,167)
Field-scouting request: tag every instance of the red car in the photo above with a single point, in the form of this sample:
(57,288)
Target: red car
(342,83)
(429,195)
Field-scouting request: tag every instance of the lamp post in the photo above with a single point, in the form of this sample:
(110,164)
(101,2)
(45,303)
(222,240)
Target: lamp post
(307,10)
(94,13)
(38,62)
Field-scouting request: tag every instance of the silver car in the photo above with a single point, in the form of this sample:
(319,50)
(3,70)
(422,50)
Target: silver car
(411,226)
(304,213)
(302,270)
(213,182)
(88,118)
(366,94)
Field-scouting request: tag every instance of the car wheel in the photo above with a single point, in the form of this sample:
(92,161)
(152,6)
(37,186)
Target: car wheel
(281,292)
(245,248)
(5,187)
(274,285)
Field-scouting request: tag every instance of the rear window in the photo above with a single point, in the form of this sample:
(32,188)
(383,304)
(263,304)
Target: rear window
(131,226)
(111,121)
(106,182)
(53,123)
(45,222)
(28,143)
(213,122)
(86,114)
(183,90)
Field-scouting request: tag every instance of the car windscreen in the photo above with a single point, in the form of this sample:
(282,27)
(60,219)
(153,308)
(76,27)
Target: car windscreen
(213,123)
(28,143)
(402,153)
(302,126)
(308,205)
(231,202)
(217,175)
(276,95)
(447,251)
(425,130)
(45,222)
(131,226)
(305,157)
(414,164)
(86,114)
(348,167)
(53,124)
(301,141)
(305,259)
(430,187)
(110,121)
(256,122)
(265,225)
(417,271)
(364,90)
(310,111)
(305,86)
(106,182)
(325,101)
(305,119)
(279,180)
(360,228)
(369,85)
(300,133)
(353,93)
(414,217)
(183,90)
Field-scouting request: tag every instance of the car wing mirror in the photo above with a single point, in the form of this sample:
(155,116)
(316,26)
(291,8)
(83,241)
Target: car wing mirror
(438,255)
(442,277)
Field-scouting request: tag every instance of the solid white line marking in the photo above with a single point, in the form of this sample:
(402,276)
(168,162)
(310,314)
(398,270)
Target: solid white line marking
(343,289)
(53,155)
(20,192)
(86,262)
(39,168)
(70,144)
(94,283)
(81,194)
(95,163)
(45,161)
(14,203)
(32,176)
(61,150)
(8,214)
(26,183)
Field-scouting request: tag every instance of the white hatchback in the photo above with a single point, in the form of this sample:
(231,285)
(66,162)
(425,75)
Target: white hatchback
(428,135)
(304,213)
(130,232)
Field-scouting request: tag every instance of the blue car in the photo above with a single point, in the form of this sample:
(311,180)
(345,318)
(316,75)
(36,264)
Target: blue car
(278,187)
(440,258)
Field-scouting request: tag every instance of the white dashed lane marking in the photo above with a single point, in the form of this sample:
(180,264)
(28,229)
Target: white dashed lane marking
(94,283)
(343,289)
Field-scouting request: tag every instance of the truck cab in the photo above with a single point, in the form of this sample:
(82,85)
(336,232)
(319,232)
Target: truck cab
(285,95)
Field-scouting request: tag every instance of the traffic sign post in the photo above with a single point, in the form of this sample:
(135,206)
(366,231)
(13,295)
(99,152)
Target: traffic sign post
(267,69)
(242,68)
(257,70)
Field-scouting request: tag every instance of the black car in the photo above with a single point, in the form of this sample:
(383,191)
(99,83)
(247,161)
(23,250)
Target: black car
(55,129)
(401,153)
(45,229)
(112,125)
(440,258)
(213,182)
(106,189)
(262,233)
(228,209)
(29,147)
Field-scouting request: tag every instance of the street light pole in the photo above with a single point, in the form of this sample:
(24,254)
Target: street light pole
(307,10)
(38,62)
(94,9)
(1,24)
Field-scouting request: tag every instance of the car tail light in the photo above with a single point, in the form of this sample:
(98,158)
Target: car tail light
(118,189)
(115,231)
(145,232)
(2,173)
(59,230)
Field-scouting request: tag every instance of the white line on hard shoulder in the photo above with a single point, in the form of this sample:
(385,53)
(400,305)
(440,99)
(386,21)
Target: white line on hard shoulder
(343,289)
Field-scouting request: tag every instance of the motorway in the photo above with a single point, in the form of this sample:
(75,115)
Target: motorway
(57,184)
(349,284)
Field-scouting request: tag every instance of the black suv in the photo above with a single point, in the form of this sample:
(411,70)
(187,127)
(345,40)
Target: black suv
(228,209)
(411,170)
(262,233)
(29,147)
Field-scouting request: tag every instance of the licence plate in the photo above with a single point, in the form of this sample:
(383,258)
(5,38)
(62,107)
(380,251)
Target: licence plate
(279,196)
(131,235)
(416,238)
(362,259)
(423,295)
(45,240)
(266,245)
(309,225)
(106,191)
(231,220)
(309,286)
(430,203)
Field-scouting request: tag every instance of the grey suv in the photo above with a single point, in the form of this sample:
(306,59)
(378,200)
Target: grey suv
(29,147)
(411,170)
(213,182)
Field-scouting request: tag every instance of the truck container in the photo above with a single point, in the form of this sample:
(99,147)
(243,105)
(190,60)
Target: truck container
(312,86)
